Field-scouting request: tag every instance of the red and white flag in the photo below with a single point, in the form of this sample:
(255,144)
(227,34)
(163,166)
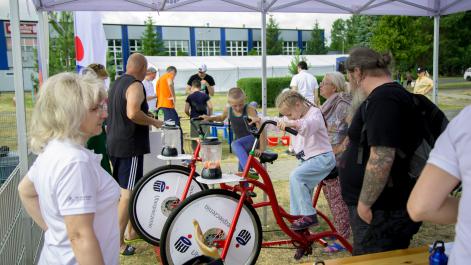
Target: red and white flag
(90,40)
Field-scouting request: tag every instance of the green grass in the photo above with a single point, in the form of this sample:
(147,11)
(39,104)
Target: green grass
(8,133)
(463,85)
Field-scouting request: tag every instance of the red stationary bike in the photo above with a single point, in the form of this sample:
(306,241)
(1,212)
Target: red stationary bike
(229,222)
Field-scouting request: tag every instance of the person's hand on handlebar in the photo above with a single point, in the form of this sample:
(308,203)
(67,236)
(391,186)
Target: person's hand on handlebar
(283,124)
(258,152)
(255,120)
(205,117)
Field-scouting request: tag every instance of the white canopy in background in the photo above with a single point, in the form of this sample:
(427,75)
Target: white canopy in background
(226,70)
(367,7)
(434,8)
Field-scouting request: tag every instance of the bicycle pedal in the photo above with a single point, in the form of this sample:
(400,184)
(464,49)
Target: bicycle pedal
(251,194)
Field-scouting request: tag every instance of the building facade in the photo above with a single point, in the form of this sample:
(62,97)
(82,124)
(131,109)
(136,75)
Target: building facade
(123,40)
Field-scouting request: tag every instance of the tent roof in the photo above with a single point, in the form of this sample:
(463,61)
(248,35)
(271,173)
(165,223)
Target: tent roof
(367,7)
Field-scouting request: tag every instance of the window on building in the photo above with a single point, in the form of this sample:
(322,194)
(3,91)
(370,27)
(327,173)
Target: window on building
(289,47)
(236,48)
(135,46)
(28,49)
(115,52)
(176,47)
(208,48)
(257,46)
(305,44)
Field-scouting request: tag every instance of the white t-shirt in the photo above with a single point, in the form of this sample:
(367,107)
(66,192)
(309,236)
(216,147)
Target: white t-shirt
(150,91)
(69,180)
(306,84)
(452,153)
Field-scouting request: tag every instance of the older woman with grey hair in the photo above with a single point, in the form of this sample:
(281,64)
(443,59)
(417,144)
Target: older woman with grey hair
(336,109)
(66,191)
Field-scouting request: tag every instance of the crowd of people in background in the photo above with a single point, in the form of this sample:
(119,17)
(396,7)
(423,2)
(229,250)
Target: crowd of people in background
(359,142)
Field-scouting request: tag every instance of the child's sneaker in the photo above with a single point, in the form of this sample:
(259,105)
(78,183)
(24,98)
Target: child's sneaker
(305,222)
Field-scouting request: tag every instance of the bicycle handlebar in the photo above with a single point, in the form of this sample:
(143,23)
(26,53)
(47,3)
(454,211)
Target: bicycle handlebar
(203,123)
(257,133)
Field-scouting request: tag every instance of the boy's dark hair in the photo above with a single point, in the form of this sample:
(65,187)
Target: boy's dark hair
(171,68)
(302,65)
(196,83)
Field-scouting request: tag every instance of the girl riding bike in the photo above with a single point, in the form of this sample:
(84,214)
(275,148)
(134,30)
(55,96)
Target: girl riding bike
(313,151)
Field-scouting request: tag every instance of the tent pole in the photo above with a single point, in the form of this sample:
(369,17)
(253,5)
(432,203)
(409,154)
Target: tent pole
(43,37)
(436,43)
(18,83)
(264,86)
(25,234)
(264,60)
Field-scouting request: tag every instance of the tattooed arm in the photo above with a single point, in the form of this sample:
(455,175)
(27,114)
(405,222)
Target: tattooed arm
(376,177)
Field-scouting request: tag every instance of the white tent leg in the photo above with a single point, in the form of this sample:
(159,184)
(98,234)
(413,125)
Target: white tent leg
(20,118)
(264,88)
(264,62)
(43,39)
(18,82)
(436,44)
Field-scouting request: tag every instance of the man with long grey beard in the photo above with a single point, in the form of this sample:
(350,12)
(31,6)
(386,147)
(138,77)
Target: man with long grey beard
(383,135)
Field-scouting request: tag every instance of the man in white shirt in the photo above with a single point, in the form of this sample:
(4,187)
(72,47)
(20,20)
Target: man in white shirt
(448,164)
(150,89)
(304,82)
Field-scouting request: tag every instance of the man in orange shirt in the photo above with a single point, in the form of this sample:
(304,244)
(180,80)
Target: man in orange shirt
(165,92)
(166,99)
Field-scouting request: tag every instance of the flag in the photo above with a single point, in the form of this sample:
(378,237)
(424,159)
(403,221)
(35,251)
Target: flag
(90,40)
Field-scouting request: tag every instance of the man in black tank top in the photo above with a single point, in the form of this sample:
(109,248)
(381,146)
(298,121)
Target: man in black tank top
(128,135)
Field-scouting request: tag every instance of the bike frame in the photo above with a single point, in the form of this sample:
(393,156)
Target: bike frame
(304,238)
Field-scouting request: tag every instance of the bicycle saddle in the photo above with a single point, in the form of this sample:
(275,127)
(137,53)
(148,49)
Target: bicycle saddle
(267,157)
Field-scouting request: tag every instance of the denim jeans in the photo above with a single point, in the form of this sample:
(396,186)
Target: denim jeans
(304,179)
(241,148)
(388,230)
(171,114)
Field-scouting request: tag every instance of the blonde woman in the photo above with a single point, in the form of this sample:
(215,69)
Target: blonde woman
(336,109)
(66,192)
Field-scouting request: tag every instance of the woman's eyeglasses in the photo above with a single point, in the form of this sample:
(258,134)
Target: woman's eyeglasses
(100,108)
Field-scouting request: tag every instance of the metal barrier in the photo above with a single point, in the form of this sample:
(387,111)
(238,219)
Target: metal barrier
(20,237)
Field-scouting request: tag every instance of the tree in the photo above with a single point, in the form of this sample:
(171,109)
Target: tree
(152,43)
(252,52)
(317,43)
(404,37)
(338,35)
(274,42)
(293,66)
(62,45)
(359,31)
(455,43)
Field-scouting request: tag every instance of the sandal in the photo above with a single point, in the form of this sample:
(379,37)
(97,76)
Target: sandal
(128,251)
(132,241)
(333,248)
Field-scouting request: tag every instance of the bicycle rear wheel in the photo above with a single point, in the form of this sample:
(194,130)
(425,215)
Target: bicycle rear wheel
(154,198)
(214,210)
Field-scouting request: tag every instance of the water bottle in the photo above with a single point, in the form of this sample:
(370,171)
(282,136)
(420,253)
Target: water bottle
(438,256)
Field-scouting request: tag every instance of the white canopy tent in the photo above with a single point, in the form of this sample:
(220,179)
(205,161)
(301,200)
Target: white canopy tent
(226,70)
(434,8)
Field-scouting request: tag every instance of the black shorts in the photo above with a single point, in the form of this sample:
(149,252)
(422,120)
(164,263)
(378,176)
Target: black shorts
(127,170)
